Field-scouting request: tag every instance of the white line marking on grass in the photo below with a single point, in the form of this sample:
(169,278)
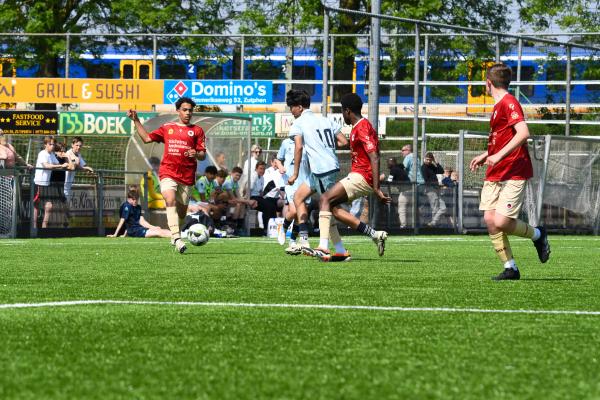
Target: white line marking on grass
(301,306)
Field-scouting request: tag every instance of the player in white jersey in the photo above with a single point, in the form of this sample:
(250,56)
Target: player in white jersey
(285,165)
(317,137)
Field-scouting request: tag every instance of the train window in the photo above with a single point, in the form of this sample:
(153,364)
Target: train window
(172,71)
(144,71)
(7,69)
(527,74)
(127,71)
(100,71)
(264,70)
(304,72)
(209,71)
(477,73)
(557,72)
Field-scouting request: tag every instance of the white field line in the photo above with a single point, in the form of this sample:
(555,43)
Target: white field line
(347,239)
(297,306)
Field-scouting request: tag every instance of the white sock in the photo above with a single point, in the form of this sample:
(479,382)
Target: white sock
(511,264)
(536,234)
(324,244)
(339,248)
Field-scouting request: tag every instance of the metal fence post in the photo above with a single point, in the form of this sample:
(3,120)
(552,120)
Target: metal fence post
(16,204)
(568,94)
(519,62)
(100,203)
(325,59)
(540,199)
(32,220)
(415,207)
(461,177)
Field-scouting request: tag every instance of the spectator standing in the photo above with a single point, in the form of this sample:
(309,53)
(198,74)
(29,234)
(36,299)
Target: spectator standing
(255,153)
(76,162)
(430,170)
(44,194)
(9,157)
(405,196)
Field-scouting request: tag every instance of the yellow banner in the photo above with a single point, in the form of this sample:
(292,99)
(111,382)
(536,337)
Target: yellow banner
(59,90)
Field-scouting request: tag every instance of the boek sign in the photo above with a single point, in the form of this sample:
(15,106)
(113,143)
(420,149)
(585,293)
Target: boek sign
(99,123)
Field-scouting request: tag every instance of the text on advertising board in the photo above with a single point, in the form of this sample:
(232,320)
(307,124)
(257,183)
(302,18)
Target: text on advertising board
(58,90)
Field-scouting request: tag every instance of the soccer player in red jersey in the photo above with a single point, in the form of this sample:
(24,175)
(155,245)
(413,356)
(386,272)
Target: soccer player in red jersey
(508,169)
(362,180)
(185,143)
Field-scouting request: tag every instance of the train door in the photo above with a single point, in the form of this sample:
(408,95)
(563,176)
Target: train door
(7,70)
(137,69)
(477,95)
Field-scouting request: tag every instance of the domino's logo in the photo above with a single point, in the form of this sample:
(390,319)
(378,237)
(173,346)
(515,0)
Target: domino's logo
(178,91)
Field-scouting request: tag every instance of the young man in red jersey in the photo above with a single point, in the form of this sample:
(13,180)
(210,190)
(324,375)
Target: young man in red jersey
(184,145)
(362,180)
(508,169)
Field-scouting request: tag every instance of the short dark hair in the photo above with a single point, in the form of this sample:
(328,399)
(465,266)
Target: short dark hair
(258,164)
(211,169)
(237,169)
(222,173)
(77,139)
(500,75)
(297,97)
(182,100)
(133,194)
(353,102)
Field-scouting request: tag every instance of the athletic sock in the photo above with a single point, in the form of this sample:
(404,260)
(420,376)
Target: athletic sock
(295,230)
(502,246)
(304,231)
(286,224)
(324,228)
(334,234)
(366,230)
(511,264)
(536,234)
(173,222)
(523,229)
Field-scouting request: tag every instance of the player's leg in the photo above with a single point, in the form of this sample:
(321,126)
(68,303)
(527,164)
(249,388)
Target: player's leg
(356,186)
(47,211)
(158,232)
(303,192)
(336,195)
(506,219)
(490,194)
(168,189)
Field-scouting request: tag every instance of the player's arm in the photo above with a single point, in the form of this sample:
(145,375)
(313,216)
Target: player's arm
(342,140)
(374,160)
(521,136)
(298,145)
(142,132)
(118,229)
(478,161)
(145,223)
(280,167)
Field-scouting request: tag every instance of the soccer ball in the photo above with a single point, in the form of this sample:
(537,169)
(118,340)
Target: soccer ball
(198,235)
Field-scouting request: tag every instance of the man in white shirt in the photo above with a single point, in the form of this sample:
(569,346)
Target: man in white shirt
(76,162)
(46,162)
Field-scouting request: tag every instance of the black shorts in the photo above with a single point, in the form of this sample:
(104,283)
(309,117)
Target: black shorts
(43,194)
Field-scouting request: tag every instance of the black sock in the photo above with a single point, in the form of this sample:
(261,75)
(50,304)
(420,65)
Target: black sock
(286,224)
(295,231)
(366,230)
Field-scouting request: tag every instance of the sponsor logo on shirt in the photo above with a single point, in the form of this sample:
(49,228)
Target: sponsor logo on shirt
(514,115)
(191,133)
(170,131)
(511,106)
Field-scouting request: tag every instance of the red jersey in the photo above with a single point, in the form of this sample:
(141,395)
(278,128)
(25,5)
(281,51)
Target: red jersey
(363,140)
(516,165)
(178,139)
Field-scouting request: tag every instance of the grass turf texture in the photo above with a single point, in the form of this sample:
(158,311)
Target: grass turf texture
(176,351)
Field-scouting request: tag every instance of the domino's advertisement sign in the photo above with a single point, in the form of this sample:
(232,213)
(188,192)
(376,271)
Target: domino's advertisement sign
(242,92)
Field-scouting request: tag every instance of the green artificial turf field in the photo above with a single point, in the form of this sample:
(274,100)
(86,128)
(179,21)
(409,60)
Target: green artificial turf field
(239,319)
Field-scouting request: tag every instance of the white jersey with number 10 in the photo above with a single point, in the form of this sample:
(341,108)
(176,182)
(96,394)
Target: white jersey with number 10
(318,135)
